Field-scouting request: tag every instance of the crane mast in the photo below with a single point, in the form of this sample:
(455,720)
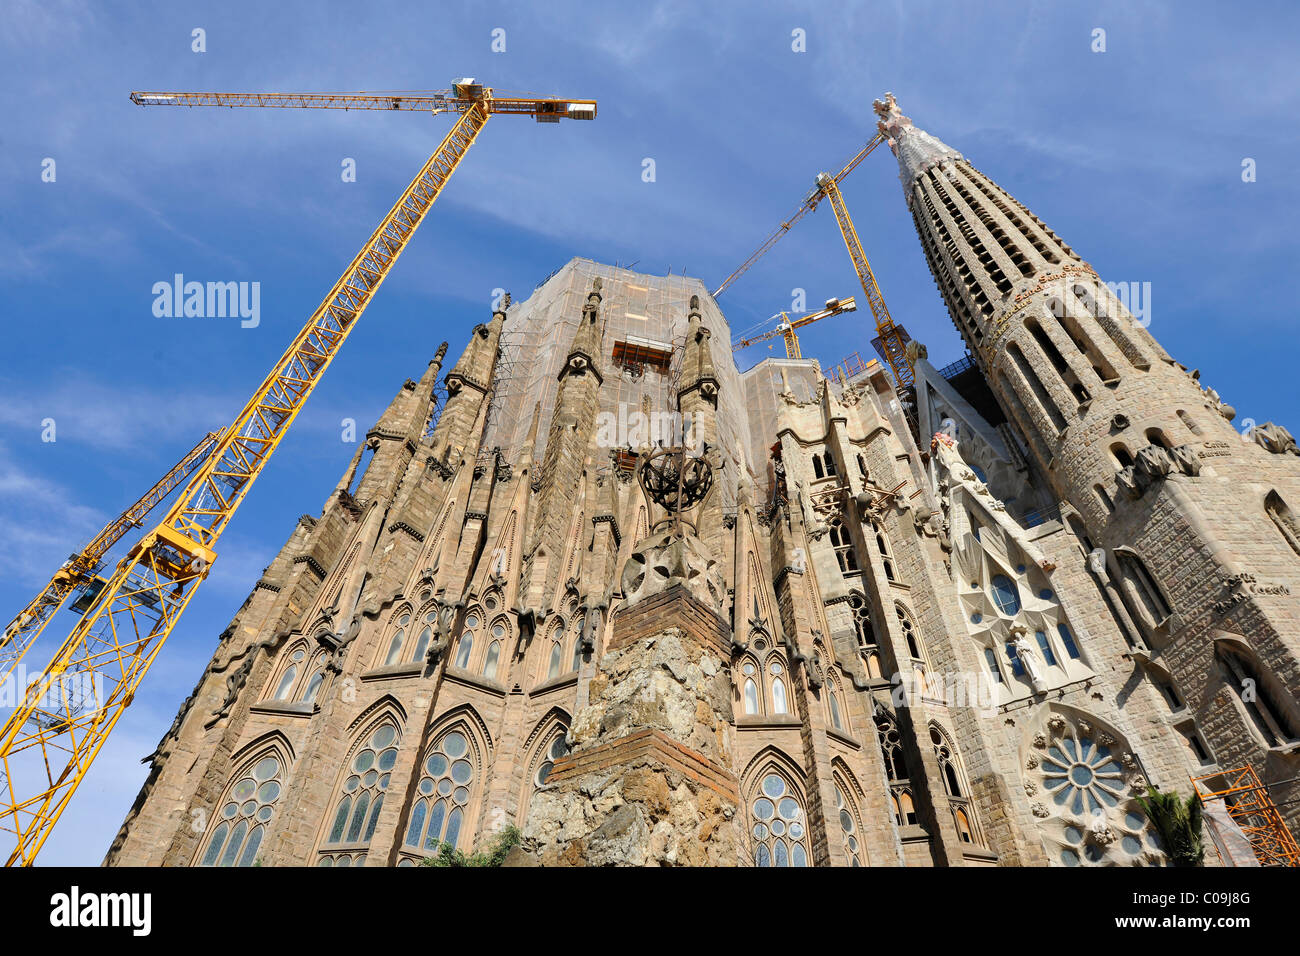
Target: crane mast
(892,343)
(54,734)
(827,186)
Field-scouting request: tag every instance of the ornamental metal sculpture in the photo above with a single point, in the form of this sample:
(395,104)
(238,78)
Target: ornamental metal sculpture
(679,484)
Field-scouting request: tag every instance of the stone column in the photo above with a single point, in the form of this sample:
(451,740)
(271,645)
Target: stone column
(648,782)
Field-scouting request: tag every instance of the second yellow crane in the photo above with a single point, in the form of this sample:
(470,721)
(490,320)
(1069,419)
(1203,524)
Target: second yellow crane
(893,343)
(786,328)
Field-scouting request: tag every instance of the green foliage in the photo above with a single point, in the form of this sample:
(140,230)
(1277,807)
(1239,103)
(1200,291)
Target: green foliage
(1179,823)
(494,855)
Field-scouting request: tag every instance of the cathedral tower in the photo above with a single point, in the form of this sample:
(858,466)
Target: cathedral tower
(1188,523)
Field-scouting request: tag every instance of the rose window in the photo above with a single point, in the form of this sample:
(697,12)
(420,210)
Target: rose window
(1081,783)
(1082,775)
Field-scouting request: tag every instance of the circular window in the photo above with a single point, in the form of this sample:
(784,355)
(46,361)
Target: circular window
(1005,595)
(976,617)
(1046,594)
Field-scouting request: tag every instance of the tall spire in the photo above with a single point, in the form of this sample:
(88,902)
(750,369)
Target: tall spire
(584,353)
(698,371)
(915,149)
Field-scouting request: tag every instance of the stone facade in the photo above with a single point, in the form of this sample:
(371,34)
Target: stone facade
(969,650)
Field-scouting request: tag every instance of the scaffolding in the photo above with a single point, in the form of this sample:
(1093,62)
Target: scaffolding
(1252,808)
(850,368)
(504,400)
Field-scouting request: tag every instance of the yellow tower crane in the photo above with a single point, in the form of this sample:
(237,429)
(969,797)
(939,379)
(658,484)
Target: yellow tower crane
(50,740)
(80,570)
(786,327)
(826,186)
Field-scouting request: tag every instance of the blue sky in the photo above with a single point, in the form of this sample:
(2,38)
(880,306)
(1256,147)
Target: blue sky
(1133,156)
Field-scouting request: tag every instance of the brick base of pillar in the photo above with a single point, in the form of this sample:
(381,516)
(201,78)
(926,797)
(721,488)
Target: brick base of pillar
(647,782)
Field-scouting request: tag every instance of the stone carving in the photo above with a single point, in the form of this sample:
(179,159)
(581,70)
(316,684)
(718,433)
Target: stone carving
(1032,762)
(1119,422)
(1028,656)
(678,483)
(1154,462)
(1274,438)
(1097,561)
(1128,482)
(1099,831)
(667,560)
(1186,460)
(1092,817)
(1040,739)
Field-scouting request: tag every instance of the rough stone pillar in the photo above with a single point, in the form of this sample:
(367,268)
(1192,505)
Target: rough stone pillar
(647,782)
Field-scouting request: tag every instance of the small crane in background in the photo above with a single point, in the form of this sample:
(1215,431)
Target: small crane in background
(786,327)
(893,340)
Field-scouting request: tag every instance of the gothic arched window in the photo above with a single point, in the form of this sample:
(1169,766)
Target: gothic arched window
(465,645)
(1005,594)
(866,634)
(891,746)
(843,546)
(425,637)
(750,679)
(954,784)
(286,678)
(575,628)
(777,685)
(314,680)
(1257,696)
(360,797)
(443,796)
(1284,519)
(847,816)
(914,644)
(778,824)
(245,812)
(883,547)
(943,752)
(835,707)
(554,751)
(492,656)
(398,640)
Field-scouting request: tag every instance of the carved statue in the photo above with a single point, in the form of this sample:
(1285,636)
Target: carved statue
(1027,656)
